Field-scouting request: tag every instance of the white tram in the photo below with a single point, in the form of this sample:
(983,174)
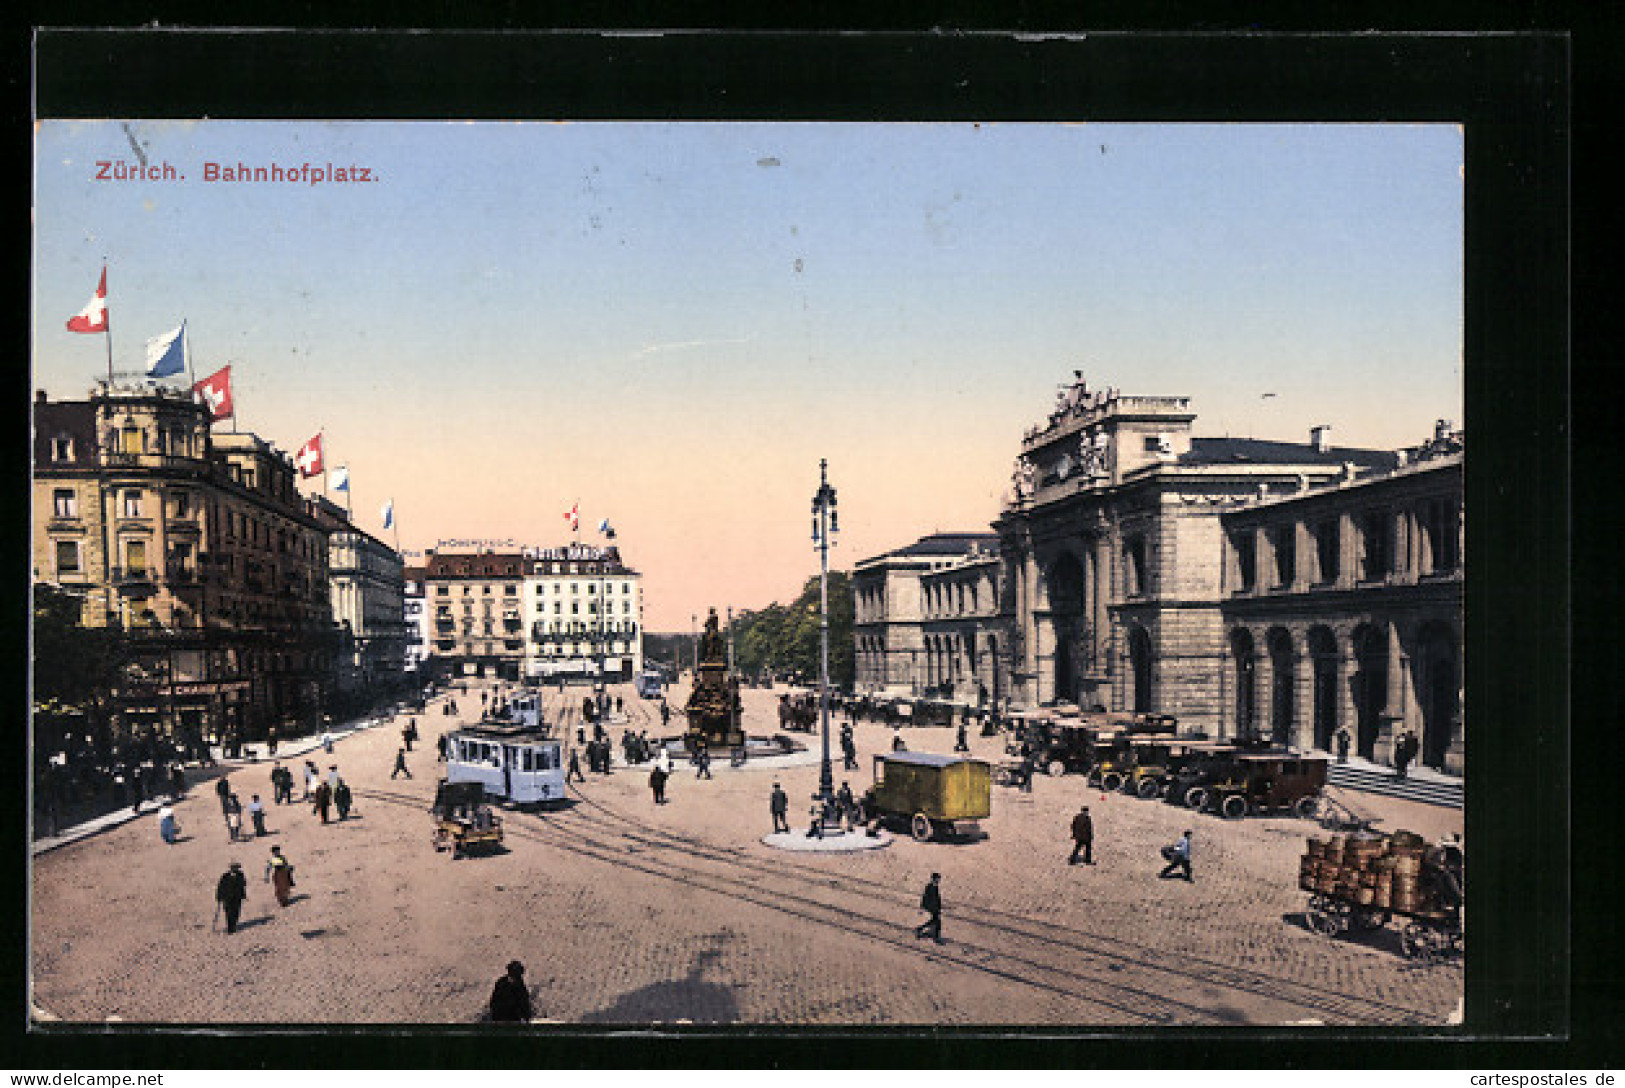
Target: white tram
(513,763)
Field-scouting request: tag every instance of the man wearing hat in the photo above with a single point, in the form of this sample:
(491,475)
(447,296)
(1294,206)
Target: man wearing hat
(510,1000)
(931,903)
(1083,837)
(230,893)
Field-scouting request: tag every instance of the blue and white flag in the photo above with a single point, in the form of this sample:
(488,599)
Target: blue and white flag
(603,527)
(341,478)
(389,514)
(166,354)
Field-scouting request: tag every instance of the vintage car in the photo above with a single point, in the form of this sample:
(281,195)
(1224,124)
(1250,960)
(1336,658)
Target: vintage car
(1268,781)
(1200,767)
(463,822)
(929,794)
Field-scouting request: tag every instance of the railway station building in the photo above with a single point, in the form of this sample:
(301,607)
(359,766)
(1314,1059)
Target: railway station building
(1248,587)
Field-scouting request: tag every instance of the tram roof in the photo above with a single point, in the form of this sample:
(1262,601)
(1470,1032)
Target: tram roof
(504,731)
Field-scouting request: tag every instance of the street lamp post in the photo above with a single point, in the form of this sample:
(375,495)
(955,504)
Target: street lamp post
(824,527)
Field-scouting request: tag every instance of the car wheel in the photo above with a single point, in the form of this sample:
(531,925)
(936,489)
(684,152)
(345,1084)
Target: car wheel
(921,827)
(1234,807)
(1196,797)
(1111,782)
(1056,768)
(1307,807)
(1149,788)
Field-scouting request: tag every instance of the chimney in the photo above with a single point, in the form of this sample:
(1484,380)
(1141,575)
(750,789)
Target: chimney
(1318,437)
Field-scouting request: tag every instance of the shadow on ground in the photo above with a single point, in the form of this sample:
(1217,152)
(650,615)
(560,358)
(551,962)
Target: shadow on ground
(690,998)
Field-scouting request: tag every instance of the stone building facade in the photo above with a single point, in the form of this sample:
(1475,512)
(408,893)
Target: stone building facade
(585,608)
(200,548)
(1343,610)
(476,617)
(1248,587)
(907,631)
(368,591)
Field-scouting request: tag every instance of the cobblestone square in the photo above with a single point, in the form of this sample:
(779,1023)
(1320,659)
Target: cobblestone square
(629,913)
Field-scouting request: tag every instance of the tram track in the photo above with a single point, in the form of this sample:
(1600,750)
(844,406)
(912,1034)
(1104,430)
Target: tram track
(1093,967)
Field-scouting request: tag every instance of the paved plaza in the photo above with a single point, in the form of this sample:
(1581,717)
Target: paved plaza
(629,913)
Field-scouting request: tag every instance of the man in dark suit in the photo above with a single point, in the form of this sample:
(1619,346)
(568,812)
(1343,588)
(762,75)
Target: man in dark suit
(931,903)
(510,1000)
(1083,837)
(230,892)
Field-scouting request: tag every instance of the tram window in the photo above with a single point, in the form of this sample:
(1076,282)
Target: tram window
(550,759)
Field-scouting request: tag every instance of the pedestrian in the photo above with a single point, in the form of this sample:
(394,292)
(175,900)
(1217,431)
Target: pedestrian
(815,826)
(1343,740)
(617,704)
(961,742)
(1404,752)
(168,827)
(1083,837)
(332,776)
(342,799)
(657,783)
(321,799)
(931,903)
(846,805)
(222,790)
(575,768)
(276,783)
(442,746)
(256,813)
(311,776)
(177,781)
(849,751)
(510,1000)
(1178,857)
(234,817)
(665,712)
(897,744)
(779,805)
(137,788)
(703,759)
(406,736)
(400,764)
(327,742)
(280,874)
(229,894)
(270,741)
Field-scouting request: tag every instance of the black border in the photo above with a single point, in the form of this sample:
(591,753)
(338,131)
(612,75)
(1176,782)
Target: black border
(1512,93)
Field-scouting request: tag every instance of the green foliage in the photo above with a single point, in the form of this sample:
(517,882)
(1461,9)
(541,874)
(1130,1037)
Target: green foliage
(785,638)
(75,667)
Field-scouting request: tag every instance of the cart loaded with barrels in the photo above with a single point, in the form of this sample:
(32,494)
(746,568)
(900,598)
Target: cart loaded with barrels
(1361,882)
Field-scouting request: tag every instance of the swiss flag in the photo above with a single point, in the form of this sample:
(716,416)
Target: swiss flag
(93,318)
(215,391)
(573,516)
(309,459)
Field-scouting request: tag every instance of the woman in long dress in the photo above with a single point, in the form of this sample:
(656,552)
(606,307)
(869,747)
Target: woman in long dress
(280,873)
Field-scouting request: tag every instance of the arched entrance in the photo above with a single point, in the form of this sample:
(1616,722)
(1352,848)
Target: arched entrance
(1323,654)
(1283,679)
(1139,655)
(1244,668)
(1438,687)
(1065,581)
(1369,687)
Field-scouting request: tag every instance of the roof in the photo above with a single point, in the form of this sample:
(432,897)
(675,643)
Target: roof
(504,731)
(1263,451)
(926,759)
(944,544)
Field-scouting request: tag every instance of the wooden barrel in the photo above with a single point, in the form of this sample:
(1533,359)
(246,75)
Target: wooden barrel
(1382,895)
(1364,895)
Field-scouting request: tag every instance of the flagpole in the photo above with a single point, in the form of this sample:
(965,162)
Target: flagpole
(107,322)
(321,435)
(186,353)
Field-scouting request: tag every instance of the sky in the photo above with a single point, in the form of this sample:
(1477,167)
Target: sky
(670,324)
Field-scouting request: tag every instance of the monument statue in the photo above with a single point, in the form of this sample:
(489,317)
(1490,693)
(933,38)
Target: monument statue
(713,708)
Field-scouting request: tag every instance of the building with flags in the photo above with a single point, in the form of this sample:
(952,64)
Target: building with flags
(573,612)
(199,548)
(584,608)
(367,587)
(414,614)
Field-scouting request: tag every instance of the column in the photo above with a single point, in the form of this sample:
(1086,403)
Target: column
(1347,715)
(1393,715)
(1303,693)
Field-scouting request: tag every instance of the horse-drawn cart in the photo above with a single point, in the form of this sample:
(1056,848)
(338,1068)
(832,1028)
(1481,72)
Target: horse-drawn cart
(463,822)
(1362,882)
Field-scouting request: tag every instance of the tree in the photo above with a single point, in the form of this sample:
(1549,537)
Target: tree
(76,668)
(782,638)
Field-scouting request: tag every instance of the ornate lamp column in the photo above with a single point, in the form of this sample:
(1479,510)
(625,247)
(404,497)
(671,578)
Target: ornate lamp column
(824,527)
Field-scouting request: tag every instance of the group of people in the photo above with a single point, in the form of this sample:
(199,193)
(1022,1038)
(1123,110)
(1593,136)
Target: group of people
(231,890)
(844,810)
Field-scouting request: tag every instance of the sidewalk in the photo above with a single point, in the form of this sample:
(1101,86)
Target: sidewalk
(298,746)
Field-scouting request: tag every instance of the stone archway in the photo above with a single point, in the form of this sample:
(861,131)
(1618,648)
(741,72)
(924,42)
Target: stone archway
(1283,685)
(1369,687)
(1244,668)
(1438,691)
(1139,655)
(1065,582)
(1323,655)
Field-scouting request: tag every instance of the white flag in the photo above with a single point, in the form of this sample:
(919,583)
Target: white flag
(341,478)
(389,513)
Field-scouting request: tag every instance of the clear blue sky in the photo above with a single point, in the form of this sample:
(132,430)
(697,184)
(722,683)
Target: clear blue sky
(672,323)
